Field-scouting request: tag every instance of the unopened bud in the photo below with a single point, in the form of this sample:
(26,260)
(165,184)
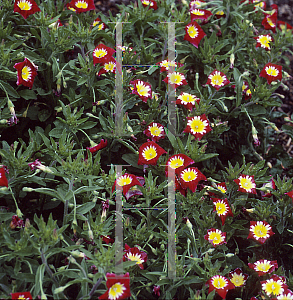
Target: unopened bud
(232,59)
(60,289)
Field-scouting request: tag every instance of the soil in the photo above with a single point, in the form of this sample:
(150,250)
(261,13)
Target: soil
(285,13)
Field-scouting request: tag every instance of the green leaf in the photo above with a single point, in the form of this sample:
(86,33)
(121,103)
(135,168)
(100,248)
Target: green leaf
(84,208)
(8,89)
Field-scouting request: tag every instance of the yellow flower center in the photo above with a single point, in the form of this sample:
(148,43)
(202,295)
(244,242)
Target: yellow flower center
(124,180)
(260,230)
(246,183)
(221,208)
(81,4)
(142,89)
(26,73)
(146,2)
(187,98)
(176,162)
(175,78)
(270,22)
(223,190)
(197,125)
(217,79)
(24,5)
(237,279)
(99,53)
(167,64)
(155,130)
(272,71)
(101,26)
(220,13)
(192,31)
(116,291)
(261,4)
(263,266)
(135,257)
(244,86)
(195,3)
(273,287)
(109,66)
(219,282)
(197,12)
(265,40)
(216,237)
(21,297)
(189,175)
(149,152)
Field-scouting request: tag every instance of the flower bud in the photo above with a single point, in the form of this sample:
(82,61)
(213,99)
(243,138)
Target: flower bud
(232,59)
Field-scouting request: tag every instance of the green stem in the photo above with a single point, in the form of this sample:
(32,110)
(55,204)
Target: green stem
(18,211)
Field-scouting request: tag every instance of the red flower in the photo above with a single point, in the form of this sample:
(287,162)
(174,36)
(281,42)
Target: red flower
(261,4)
(245,90)
(190,177)
(125,182)
(221,284)
(25,7)
(98,147)
(167,64)
(260,231)
(149,153)
(107,239)
(194,33)
(134,254)
(102,54)
(221,206)
(142,89)
(3,179)
(22,296)
(187,100)
(263,266)
(274,286)
(178,162)
(283,25)
(271,72)
(156,290)
(216,237)
(175,79)
(98,22)
(155,131)
(270,22)
(201,14)
(109,66)
(118,287)
(246,184)
(16,222)
(196,3)
(179,187)
(198,126)
(290,194)
(81,5)
(263,41)
(150,3)
(238,278)
(133,191)
(217,79)
(26,73)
